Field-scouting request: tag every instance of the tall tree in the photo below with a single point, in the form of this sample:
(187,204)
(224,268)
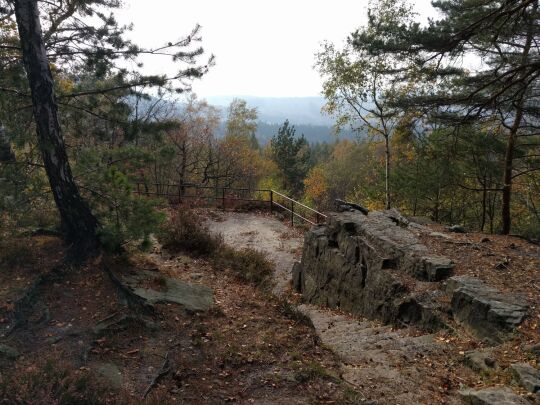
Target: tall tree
(78,221)
(241,120)
(501,42)
(84,43)
(359,87)
(292,156)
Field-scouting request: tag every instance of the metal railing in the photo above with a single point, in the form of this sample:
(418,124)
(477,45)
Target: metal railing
(274,200)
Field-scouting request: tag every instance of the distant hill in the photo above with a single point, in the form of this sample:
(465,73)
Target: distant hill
(302,112)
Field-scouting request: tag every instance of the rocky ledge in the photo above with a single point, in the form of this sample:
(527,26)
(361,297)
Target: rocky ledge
(373,265)
(369,265)
(486,312)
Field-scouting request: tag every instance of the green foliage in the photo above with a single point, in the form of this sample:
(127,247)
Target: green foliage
(123,215)
(242,121)
(292,157)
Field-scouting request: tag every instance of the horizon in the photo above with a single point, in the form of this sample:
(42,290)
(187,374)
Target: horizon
(264,50)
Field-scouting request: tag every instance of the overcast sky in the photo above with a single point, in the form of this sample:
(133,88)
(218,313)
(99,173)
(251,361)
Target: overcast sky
(262,48)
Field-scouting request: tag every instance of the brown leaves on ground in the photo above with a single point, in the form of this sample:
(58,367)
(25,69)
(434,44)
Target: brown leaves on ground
(248,348)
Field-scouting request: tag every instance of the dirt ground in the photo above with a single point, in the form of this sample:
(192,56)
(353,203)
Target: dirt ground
(249,348)
(83,339)
(281,243)
(436,371)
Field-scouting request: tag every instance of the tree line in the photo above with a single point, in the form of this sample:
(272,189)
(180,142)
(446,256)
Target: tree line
(456,142)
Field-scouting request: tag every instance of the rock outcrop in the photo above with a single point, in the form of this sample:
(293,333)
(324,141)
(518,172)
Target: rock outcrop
(492,396)
(193,297)
(486,312)
(373,265)
(365,264)
(527,376)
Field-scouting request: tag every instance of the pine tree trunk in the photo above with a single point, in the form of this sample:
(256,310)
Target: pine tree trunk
(508,169)
(484,202)
(78,221)
(387,172)
(510,145)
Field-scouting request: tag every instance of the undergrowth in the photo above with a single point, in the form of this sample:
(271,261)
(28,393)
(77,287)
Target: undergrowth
(51,381)
(14,253)
(184,232)
(248,265)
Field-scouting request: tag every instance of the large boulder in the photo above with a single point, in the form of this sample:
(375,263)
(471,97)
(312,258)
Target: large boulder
(486,312)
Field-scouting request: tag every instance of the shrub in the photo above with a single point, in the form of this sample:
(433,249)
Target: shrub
(248,265)
(184,232)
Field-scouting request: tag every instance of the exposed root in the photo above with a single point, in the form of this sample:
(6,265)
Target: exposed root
(163,371)
(134,301)
(24,304)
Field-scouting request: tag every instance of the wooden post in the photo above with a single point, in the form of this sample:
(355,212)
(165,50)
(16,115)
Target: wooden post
(292,213)
(139,189)
(271,201)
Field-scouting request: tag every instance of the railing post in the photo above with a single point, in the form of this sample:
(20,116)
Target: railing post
(223,198)
(292,213)
(271,201)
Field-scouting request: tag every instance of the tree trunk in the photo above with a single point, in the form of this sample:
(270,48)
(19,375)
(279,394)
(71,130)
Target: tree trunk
(79,223)
(508,169)
(484,202)
(510,145)
(387,172)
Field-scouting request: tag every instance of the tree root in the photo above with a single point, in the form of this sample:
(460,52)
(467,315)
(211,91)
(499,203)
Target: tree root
(163,371)
(134,301)
(24,304)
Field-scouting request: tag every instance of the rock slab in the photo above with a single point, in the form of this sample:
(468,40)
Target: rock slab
(193,297)
(527,376)
(486,312)
(479,360)
(492,396)
(111,372)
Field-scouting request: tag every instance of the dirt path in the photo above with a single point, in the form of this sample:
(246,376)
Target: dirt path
(395,366)
(246,230)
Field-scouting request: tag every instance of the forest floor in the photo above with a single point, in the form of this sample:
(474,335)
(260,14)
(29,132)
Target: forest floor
(405,365)
(71,334)
(79,340)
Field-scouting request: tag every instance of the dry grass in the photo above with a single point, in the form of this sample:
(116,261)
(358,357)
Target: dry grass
(52,381)
(184,232)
